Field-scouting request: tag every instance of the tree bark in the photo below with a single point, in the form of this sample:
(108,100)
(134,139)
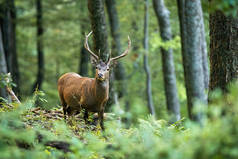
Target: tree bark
(146,62)
(189,15)
(173,105)
(223,50)
(98,23)
(84,55)
(3,66)
(9,40)
(204,51)
(40,52)
(119,71)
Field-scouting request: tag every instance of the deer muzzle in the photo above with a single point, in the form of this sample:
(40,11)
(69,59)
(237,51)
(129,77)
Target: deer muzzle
(101,77)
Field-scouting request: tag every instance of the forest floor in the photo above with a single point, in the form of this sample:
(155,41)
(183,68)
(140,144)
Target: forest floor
(46,119)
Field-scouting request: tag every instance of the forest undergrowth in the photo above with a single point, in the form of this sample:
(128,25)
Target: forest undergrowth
(27,131)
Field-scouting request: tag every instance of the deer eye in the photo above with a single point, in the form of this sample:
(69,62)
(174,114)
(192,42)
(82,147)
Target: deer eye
(108,69)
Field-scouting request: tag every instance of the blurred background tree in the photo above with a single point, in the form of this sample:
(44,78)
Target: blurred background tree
(3,67)
(149,94)
(172,101)
(40,46)
(190,17)
(8,24)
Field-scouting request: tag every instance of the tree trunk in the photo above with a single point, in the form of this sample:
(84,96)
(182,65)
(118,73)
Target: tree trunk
(98,23)
(119,71)
(204,51)
(3,66)
(40,53)
(173,105)
(84,60)
(84,55)
(9,40)
(223,50)
(146,63)
(135,48)
(189,15)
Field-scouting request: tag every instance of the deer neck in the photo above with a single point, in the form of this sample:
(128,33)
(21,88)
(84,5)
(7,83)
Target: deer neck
(101,88)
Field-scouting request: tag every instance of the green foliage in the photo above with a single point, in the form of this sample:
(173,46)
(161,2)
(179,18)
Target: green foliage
(39,99)
(6,80)
(228,7)
(157,43)
(149,138)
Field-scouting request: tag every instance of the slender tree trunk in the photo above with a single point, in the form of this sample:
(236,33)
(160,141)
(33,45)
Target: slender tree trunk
(223,50)
(3,66)
(192,54)
(119,71)
(173,105)
(9,40)
(146,63)
(98,23)
(40,32)
(135,64)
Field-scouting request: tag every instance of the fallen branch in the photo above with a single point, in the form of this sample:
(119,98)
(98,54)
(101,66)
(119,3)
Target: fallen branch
(60,145)
(12,94)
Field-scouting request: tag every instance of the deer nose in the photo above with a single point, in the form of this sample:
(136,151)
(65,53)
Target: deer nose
(100,75)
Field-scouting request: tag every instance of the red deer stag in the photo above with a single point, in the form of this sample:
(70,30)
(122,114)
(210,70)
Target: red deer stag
(77,92)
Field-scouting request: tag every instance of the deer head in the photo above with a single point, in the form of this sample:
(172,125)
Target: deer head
(103,68)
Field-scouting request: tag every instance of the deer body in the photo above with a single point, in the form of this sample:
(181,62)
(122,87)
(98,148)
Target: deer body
(77,92)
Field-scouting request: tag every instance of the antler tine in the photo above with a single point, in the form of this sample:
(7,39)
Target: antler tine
(110,54)
(124,53)
(87,46)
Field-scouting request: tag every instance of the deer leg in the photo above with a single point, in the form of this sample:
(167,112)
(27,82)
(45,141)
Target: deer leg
(64,111)
(64,104)
(85,117)
(69,111)
(64,108)
(100,115)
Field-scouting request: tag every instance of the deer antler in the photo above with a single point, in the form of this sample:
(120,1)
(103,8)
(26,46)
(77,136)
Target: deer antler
(87,46)
(124,53)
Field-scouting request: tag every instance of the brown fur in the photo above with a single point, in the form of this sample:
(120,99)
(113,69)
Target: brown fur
(78,92)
